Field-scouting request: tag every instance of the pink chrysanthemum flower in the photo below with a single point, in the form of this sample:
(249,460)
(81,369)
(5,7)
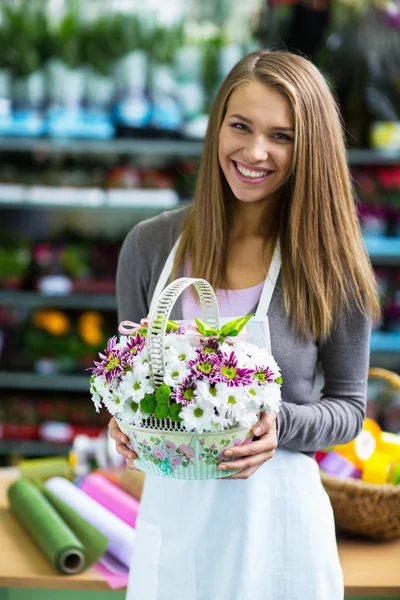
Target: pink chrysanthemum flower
(135,344)
(205,366)
(184,393)
(231,374)
(211,346)
(264,375)
(110,365)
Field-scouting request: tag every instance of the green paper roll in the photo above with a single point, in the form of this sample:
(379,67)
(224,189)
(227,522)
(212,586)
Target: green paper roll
(46,527)
(44,468)
(94,542)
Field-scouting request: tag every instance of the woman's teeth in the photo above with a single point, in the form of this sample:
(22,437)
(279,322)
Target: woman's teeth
(251,174)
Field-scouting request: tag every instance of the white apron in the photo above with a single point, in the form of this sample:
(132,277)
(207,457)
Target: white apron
(269,537)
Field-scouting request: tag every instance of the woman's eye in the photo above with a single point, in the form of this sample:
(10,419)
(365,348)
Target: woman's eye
(240,126)
(283,137)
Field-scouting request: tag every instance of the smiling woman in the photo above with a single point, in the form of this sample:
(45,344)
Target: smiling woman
(273,228)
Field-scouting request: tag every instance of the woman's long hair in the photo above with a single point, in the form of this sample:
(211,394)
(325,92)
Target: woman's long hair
(325,268)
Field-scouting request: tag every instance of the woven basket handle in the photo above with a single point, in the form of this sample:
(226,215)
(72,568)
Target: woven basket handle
(386,375)
(160,314)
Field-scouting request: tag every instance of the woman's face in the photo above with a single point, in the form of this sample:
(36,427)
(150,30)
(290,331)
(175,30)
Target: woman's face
(256,142)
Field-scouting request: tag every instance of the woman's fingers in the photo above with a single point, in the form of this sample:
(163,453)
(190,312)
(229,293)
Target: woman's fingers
(120,440)
(246,463)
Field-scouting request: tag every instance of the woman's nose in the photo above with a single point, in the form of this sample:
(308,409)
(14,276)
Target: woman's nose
(256,150)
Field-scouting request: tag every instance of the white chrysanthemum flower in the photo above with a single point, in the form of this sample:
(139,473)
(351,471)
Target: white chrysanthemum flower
(262,358)
(197,417)
(221,421)
(247,418)
(206,393)
(131,412)
(175,372)
(113,403)
(273,397)
(228,396)
(104,389)
(142,365)
(122,342)
(135,386)
(96,398)
(178,347)
(257,395)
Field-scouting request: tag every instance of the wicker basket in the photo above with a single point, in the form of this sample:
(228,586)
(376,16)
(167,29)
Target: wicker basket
(364,509)
(181,454)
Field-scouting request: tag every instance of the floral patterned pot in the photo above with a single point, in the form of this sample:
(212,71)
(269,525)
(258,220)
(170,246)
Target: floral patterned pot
(183,455)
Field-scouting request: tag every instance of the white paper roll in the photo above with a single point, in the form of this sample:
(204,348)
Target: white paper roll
(120,535)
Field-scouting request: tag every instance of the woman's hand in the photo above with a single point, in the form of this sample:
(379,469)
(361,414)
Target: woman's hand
(121,440)
(256,453)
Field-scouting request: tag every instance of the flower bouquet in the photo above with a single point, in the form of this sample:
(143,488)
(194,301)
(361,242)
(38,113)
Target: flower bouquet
(182,393)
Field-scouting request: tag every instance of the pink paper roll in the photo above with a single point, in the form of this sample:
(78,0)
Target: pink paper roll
(335,464)
(111,497)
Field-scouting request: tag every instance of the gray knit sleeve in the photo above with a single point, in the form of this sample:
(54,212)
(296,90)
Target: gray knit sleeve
(132,278)
(337,417)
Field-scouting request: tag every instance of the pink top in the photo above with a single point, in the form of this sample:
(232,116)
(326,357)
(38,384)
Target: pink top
(232,303)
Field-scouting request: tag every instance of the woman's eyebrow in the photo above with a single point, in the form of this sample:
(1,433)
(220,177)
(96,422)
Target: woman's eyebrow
(247,120)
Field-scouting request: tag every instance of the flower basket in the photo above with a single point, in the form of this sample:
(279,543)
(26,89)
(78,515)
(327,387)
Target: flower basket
(183,394)
(366,509)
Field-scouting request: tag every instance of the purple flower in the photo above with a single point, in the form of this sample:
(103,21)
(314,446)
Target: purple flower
(158,452)
(231,374)
(184,393)
(135,344)
(205,366)
(110,365)
(176,461)
(187,450)
(264,375)
(210,346)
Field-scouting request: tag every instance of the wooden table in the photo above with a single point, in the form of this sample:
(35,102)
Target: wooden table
(370,569)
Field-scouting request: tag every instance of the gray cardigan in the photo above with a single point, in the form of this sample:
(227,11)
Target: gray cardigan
(305,423)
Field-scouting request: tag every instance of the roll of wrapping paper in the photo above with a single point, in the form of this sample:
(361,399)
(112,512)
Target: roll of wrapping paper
(111,497)
(132,482)
(363,446)
(120,535)
(389,443)
(43,468)
(394,475)
(335,464)
(46,527)
(376,469)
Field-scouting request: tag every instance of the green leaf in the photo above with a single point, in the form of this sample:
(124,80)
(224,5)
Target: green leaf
(279,380)
(234,327)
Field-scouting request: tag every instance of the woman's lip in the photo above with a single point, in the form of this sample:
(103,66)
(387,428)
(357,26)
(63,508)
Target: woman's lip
(247,179)
(250,168)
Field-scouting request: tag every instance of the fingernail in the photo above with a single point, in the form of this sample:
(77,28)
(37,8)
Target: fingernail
(257,430)
(228,453)
(122,440)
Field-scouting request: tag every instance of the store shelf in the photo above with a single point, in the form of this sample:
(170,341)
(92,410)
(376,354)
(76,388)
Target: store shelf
(383,250)
(34,381)
(185,148)
(382,341)
(20,196)
(33,448)
(138,146)
(22,299)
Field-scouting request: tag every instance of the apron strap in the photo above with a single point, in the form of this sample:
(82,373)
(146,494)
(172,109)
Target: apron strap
(165,274)
(269,284)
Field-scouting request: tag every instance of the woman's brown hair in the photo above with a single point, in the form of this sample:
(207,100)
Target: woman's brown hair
(325,268)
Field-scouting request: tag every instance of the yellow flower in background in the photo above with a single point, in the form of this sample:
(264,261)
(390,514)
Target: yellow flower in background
(53,321)
(89,327)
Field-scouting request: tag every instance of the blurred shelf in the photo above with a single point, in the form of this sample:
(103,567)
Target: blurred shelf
(184,148)
(34,381)
(382,341)
(33,448)
(21,196)
(383,250)
(22,299)
(141,146)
